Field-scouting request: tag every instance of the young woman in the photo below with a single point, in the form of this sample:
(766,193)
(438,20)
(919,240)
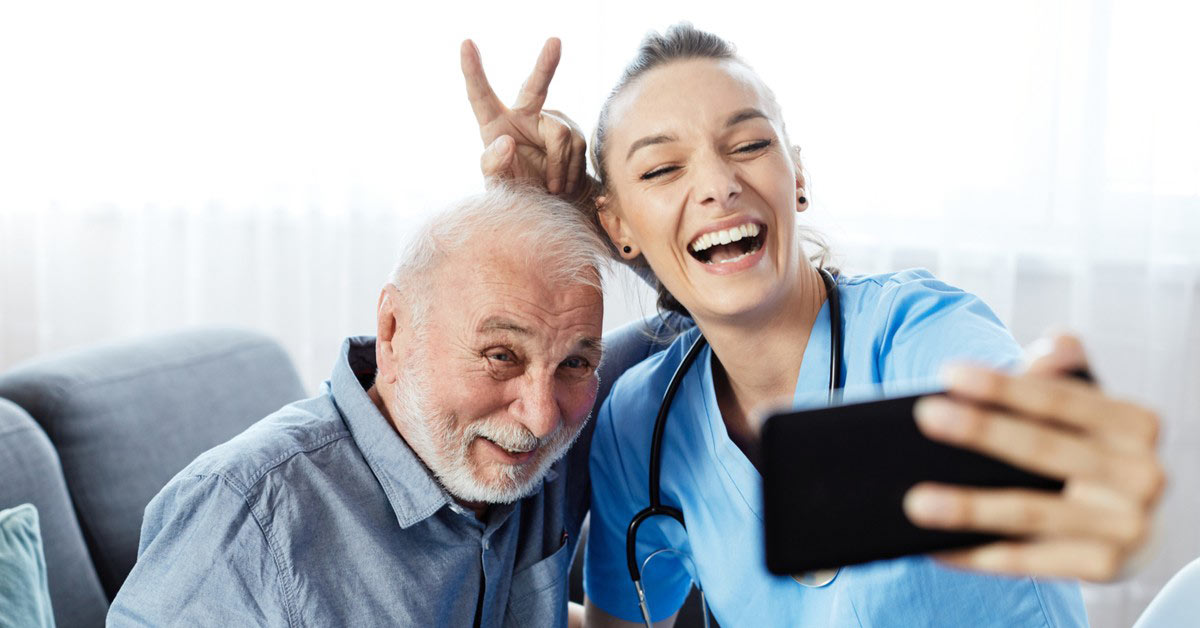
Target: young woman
(697,181)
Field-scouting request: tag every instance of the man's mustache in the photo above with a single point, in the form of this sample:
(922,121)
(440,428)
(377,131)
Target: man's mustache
(511,435)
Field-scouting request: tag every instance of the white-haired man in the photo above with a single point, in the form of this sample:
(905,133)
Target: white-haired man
(426,485)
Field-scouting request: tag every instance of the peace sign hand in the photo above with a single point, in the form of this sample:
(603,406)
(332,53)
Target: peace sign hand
(525,141)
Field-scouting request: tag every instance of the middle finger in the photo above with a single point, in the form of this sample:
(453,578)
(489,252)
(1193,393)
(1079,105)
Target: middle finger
(533,93)
(1032,445)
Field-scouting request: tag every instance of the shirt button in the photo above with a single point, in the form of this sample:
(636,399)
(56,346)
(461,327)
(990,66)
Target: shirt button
(487,545)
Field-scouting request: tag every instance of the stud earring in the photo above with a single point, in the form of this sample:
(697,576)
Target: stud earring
(627,249)
(801,199)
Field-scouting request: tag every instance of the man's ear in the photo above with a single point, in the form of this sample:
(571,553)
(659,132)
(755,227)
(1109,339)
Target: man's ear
(616,228)
(393,332)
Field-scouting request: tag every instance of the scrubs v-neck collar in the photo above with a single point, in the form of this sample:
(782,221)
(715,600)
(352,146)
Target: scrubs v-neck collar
(812,388)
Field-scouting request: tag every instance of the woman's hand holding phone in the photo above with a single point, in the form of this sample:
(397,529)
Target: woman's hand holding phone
(1104,449)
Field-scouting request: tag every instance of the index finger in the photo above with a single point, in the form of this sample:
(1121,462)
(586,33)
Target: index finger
(533,92)
(484,102)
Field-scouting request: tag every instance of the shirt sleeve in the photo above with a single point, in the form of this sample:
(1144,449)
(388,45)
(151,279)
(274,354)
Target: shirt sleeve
(203,560)
(618,492)
(928,323)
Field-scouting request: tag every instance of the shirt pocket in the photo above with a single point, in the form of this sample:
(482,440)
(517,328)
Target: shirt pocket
(538,596)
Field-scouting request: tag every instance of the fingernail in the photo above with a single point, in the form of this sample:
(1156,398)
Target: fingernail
(938,416)
(552,186)
(929,505)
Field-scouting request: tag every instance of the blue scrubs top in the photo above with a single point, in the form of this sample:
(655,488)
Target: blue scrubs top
(898,328)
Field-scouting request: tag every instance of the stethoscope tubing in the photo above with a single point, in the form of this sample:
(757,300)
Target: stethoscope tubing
(656,508)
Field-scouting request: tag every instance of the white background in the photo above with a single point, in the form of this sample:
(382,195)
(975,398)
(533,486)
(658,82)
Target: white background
(260,164)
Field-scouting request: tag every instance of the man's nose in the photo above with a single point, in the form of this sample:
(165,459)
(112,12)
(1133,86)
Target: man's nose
(716,180)
(537,407)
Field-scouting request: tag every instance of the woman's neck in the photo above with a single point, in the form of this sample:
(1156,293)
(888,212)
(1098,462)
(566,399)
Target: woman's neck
(759,361)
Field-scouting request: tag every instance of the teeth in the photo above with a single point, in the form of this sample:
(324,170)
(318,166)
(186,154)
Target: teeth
(734,259)
(725,236)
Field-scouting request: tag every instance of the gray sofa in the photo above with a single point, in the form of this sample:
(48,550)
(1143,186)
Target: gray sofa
(90,436)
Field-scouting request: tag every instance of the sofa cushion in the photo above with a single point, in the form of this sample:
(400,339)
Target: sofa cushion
(126,417)
(31,473)
(23,586)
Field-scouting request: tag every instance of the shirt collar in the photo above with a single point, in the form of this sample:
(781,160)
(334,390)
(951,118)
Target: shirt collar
(410,487)
(812,386)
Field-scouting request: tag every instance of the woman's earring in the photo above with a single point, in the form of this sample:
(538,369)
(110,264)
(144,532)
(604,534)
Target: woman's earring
(801,199)
(627,249)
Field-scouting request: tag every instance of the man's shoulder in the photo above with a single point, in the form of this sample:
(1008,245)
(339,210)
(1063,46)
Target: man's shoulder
(297,429)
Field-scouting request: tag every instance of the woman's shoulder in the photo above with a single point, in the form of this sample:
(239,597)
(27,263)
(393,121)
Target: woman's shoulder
(919,321)
(909,279)
(894,296)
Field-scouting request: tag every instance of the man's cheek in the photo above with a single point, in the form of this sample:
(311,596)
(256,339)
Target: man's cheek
(581,403)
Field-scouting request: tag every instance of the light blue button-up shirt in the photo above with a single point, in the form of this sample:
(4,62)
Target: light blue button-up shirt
(899,329)
(321,515)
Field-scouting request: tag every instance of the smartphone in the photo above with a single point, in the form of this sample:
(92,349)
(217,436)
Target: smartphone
(834,480)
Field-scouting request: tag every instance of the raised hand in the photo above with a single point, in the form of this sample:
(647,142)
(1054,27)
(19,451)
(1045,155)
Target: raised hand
(1102,448)
(525,141)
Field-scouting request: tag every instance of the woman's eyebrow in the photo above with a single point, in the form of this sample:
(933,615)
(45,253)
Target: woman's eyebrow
(648,141)
(749,113)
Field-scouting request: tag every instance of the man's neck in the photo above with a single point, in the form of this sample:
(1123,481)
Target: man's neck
(479,508)
(759,361)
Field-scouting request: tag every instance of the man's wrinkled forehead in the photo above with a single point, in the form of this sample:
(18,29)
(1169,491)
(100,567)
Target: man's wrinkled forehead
(506,324)
(494,278)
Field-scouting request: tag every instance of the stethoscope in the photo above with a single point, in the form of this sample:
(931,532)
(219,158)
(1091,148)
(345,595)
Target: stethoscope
(656,508)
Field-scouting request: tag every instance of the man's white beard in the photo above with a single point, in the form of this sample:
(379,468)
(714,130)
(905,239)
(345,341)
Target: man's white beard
(445,448)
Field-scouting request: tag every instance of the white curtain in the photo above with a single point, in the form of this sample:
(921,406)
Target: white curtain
(260,164)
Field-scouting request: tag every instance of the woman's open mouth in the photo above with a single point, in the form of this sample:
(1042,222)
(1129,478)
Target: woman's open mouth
(728,245)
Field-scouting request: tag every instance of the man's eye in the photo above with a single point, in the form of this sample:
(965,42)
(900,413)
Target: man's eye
(753,147)
(501,356)
(575,363)
(658,172)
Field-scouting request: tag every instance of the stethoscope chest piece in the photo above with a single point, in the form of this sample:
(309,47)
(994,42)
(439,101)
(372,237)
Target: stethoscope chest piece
(817,578)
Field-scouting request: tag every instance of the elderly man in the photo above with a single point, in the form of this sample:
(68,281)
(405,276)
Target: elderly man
(426,484)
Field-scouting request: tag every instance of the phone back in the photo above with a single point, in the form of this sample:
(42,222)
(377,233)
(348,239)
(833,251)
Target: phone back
(834,480)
